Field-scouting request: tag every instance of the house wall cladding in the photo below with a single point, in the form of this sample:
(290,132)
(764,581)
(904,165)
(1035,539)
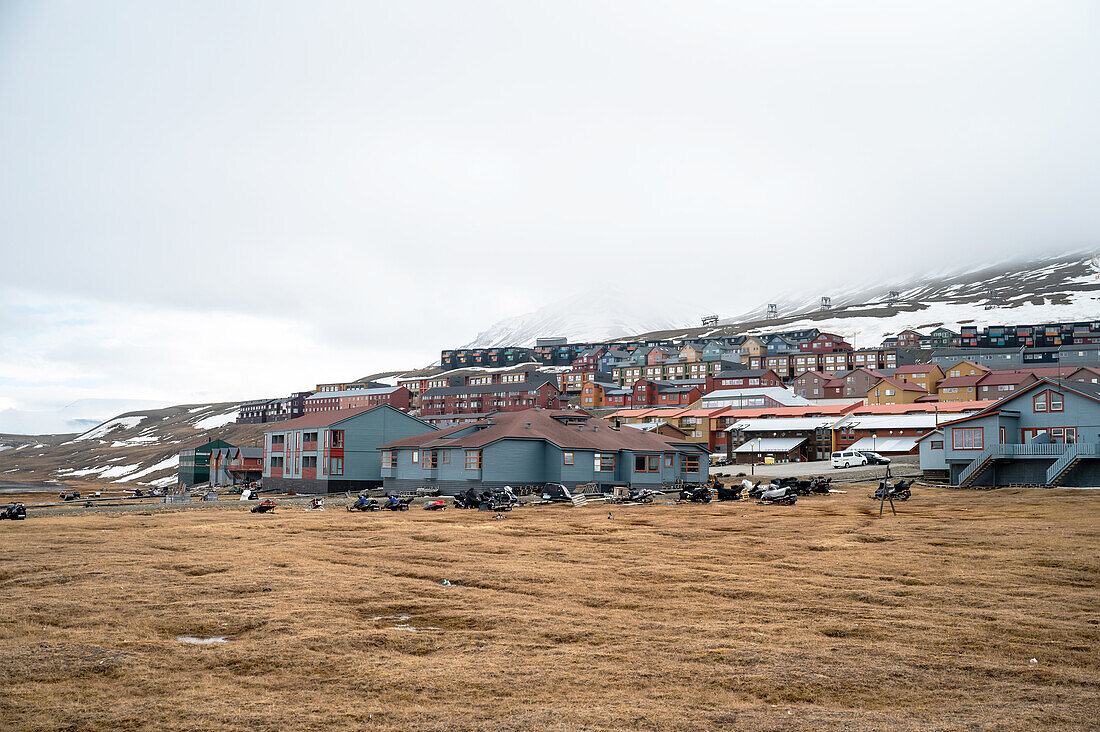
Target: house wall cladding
(517,462)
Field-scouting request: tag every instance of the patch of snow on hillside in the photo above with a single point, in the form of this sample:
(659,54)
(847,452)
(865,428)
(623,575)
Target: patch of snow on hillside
(162,482)
(217,420)
(196,410)
(118,423)
(172,461)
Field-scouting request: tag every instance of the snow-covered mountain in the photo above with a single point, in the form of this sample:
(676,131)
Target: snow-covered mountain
(1053,289)
(599,315)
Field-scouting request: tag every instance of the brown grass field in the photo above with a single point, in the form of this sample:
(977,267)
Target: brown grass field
(727,616)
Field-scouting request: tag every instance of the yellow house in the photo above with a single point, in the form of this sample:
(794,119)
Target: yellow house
(894,391)
(688,353)
(924,375)
(965,368)
(753,348)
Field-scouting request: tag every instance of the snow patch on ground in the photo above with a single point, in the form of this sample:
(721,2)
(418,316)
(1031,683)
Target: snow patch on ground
(162,482)
(172,461)
(118,423)
(217,420)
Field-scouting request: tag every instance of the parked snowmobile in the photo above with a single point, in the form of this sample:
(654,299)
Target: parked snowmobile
(396,503)
(436,505)
(69,496)
(364,503)
(13,511)
(899,491)
(466,500)
(316,504)
(557,493)
(641,495)
(267,505)
(732,493)
(778,496)
(695,494)
(505,497)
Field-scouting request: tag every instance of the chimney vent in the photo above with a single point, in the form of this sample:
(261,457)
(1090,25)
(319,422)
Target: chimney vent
(527,425)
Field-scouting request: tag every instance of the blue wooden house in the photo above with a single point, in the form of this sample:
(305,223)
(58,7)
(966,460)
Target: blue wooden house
(328,452)
(1047,434)
(536,447)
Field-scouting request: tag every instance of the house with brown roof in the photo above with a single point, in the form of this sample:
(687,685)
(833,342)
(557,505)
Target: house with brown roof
(959,388)
(537,447)
(895,391)
(818,385)
(1003,382)
(924,375)
(859,381)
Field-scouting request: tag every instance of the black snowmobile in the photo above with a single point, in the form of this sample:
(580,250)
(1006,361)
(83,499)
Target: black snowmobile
(695,494)
(13,511)
(898,491)
(396,503)
(364,503)
(557,493)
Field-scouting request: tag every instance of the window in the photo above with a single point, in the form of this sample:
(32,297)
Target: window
(604,463)
(647,464)
(446,456)
(416,456)
(276,462)
(277,440)
(309,461)
(889,392)
(691,463)
(309,437)
(338,439)
(473,459)
(567,458)
(967,438)
(336,466)
(1054,401)
(428,461)
(937,444)
(1039,402)
(388,459)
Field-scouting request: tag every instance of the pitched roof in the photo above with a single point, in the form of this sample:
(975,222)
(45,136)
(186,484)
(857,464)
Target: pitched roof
(903,385)
(916,368)
(596,434)
(1006,376)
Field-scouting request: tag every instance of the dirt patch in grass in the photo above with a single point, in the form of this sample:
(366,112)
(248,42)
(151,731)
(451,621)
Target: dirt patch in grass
(728,616)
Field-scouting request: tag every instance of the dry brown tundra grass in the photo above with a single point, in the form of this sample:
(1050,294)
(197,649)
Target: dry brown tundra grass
(663,617)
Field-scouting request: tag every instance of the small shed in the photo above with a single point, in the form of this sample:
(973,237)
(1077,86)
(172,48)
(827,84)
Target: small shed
(780,449)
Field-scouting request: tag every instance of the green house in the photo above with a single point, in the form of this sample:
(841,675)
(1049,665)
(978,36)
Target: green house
(194,465)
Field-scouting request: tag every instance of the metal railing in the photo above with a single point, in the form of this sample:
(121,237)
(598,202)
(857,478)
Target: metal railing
(981,459)
(1072,453)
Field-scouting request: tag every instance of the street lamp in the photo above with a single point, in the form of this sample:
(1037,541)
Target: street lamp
(874,442)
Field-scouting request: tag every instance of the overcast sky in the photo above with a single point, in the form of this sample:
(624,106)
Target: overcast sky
(211,200)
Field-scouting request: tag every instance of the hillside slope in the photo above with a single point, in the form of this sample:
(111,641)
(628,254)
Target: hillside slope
(138,448)
(1063,288)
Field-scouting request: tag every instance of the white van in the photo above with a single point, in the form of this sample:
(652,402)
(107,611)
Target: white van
(848,458)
